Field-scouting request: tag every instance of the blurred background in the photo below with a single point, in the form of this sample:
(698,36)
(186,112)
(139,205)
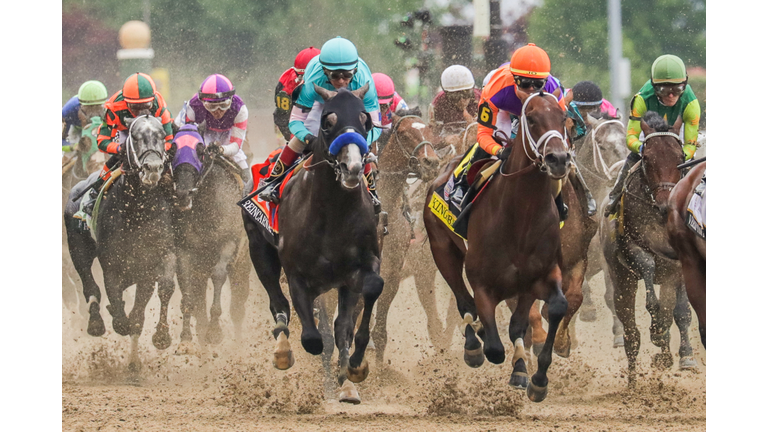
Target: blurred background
(253,42)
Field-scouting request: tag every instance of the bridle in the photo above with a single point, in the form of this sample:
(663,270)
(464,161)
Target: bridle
(652,190)
(414,170)
(138,160)
(597,155)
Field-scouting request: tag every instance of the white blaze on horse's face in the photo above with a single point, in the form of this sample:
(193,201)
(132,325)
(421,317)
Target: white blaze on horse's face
(351,162)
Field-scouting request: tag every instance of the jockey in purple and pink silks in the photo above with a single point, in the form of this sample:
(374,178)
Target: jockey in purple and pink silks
(222,118)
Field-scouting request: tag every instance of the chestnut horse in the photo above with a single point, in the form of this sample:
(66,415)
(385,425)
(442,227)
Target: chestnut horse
(636,246)
(513,246)
(691,248)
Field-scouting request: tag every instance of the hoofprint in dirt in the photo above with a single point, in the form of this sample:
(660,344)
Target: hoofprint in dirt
(235,387)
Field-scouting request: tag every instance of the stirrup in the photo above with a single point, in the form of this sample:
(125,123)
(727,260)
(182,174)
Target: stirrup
(270,193)
(610,208)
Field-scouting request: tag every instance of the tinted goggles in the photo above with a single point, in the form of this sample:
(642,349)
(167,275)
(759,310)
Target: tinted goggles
(669,89)
(219,105)
(525,83)
(340,74)
(136,107)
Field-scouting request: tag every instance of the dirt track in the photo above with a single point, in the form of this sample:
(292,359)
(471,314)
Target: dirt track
(234,386)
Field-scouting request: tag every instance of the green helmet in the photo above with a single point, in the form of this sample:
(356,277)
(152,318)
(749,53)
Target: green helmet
(668,69)
(92,93)
(338,54)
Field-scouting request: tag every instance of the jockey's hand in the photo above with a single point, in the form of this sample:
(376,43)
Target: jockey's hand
(214,149)
(499,152)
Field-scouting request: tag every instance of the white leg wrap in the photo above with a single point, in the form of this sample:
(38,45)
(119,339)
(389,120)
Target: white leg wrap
(519,350)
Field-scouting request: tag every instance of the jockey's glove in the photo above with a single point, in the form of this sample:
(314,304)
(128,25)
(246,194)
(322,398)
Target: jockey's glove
(214,149)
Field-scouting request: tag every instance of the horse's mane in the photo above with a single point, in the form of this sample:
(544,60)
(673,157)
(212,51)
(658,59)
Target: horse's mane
(655,121)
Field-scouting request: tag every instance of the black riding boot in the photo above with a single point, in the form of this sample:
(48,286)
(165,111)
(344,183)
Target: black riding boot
(271,191)
(371,179)
(562,209)
(591,204)
(613,196)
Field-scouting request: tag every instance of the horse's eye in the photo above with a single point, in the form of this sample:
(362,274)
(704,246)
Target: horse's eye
(331,120)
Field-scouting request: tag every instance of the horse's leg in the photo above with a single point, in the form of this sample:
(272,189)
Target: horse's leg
(391,271)
(557,308)
(588,311)
(695,276)
(303,301)
(82,250)
(114,286)
(618,327)
(624,299)
(425,289)
(518,325)
(538,334)
(661,336)
(267,264)
(144,291)
(449,259)
(199,298)
(218,277)
(184,275)
(165,286)
(239,285)
(682,315)
(572,284)
(342,329)
(326,309)
(486,304)
(371,287)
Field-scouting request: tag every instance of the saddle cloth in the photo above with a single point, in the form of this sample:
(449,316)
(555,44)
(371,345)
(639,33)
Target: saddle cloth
(697,209)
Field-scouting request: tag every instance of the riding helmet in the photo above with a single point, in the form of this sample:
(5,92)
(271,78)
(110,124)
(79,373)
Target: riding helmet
(668,69)
(457,77)
(385,88)
(303,58)
(530,61)
(338,54)
(216,88)
(587,93)
(92,93)
(139,88)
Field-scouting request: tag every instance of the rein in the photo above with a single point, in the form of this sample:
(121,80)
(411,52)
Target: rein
(414,166)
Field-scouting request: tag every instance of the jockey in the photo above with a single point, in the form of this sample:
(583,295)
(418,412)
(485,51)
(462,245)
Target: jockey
(222,119)
(337,66)
(456,102)
(288,88)
(667,93)
(588,98)
(87,104)
(389,101)
(138,97)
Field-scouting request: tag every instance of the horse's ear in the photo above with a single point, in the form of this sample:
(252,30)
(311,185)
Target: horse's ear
(200,149)
(360,93)
(647,130)
(591,121)
(325,94)
(368,122)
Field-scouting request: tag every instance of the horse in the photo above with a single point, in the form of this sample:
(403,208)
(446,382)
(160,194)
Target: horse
(210,242)
(636,246)
(513,245)
(690,248)
(132,238)
(328,238)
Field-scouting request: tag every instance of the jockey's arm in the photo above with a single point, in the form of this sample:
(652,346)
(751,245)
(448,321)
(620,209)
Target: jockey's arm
(167,121)
(237,133)
(108,133)
(691,117)
(486,118)
(371,102)
(636,112)
(299,115)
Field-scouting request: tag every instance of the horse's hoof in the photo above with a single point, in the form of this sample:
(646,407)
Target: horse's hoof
(537,348)
(162,338)
(358,374)
(474,358)
(371,345)
(618,341)
(688,363)
(312,343)
(121,325)
(536,393)
(588,313)
(663,361)
(349,393)
(283,359)
(186,347)
(214,335)
(519,380)
(95,322)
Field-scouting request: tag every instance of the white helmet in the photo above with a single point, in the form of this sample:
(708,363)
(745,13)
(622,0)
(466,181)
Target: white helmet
(457,77)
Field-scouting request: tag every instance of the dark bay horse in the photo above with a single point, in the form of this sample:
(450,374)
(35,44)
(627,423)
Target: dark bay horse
(328,239)
(636,246)
(210,241)
(513,246)
(134,239)
(691,249)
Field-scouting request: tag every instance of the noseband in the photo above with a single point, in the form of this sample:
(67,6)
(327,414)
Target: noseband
(662,185)
(527,138)
(597,154)
(138,160)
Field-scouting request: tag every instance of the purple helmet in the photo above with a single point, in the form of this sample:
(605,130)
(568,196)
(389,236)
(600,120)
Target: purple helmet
(216,88)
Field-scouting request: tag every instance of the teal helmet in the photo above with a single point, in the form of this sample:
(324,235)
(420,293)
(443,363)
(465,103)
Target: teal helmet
(92,93)
(338,54)
(668,69)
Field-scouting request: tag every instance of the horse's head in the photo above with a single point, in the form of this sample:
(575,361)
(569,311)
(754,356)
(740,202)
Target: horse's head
(344,126)
(410,148)
(188,151)
(662,152)
(145,148)
(605,142)
(542,127)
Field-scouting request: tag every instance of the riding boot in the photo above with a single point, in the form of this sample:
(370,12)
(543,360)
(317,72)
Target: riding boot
(271,191)
(562,209)
(370,178)
(591,204)
(618,187)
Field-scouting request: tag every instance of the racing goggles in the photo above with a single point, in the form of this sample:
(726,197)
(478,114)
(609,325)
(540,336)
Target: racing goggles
(665,90)
(218,105)
(341,74)
(525,83)
(138,107)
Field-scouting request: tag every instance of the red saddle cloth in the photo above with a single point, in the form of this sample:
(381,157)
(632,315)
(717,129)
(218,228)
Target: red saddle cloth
(265,213)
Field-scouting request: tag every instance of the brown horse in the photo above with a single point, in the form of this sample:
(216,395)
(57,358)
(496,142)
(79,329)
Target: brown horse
(691,249)
(636,246)
(513,246)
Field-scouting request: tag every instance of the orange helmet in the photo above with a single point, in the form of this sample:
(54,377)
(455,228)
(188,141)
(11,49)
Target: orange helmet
(139,88)
(530,61)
